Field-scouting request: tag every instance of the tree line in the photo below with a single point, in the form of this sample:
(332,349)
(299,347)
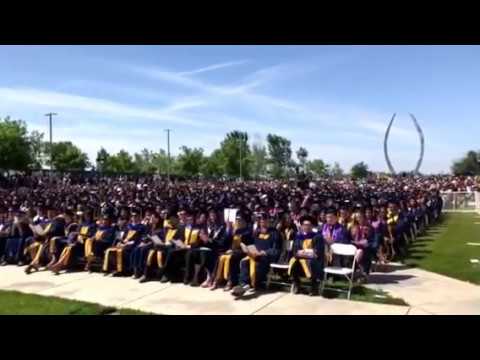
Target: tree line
(234,158)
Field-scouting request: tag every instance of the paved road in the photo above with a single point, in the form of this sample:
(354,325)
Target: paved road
(427,293)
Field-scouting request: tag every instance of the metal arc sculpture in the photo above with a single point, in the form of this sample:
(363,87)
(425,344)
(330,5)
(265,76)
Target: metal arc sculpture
(422,145)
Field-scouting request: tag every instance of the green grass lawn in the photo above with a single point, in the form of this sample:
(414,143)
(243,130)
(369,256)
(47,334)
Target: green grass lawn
(17,303)
(362,293)
(444,248)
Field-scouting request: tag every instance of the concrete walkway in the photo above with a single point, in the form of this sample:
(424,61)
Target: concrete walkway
(427,293)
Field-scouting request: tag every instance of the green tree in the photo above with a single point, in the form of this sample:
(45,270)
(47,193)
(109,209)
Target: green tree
(102,161)
(122,162)
(67,157)
(144,161)
(259,160)
(16,152)
(212,166)
(318,167)
(190,161)
(160,162)
(302,155)
(280,154)
(336,170)
(359,171)
(468,165)
(37,148)
(235,147)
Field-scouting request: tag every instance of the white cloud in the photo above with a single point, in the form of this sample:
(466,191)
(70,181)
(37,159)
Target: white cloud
(99,106)
(381,128)
(213,67)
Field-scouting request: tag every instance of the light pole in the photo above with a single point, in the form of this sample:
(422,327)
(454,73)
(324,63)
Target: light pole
(241,145)
(168,152)
(50,115)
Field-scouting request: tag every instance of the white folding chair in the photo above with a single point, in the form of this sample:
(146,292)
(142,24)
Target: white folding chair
(344,250)
(280,267)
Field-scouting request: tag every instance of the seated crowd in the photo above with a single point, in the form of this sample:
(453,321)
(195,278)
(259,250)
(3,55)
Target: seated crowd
(153,230)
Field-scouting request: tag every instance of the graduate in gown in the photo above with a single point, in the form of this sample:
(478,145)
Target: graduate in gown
(309,256)
(140,253)
(228,264)
(193,244)
(96,245)
(76,243)
(117,257)
(333,232)
(5,225)
(213,238)
(363,237)
(255,265)
(18,231)
(393,237)
(158,257)
(58,243)
(39,248)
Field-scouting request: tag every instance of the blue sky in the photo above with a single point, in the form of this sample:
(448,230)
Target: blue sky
(334,100)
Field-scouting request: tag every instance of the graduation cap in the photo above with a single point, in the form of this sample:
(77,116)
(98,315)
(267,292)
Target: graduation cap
(189,212)
(69,213)
(308,218)
(213,209)
(331,211)
(172,214)
(107,217)
(240,216)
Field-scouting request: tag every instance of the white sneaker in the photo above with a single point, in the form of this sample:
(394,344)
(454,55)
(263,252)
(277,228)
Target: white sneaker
(240,290)
(250,291)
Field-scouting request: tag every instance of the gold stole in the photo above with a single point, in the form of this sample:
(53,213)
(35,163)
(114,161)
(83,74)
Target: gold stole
(130,235)
(99,234)
(191,236)
(287,233)
(83,233)
(168,239)
(264,236)
(47,229)
(237,239)
(89,243)
(170,235)
(307,245)
(223,269)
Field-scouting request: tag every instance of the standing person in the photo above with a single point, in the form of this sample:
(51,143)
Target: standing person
(123,248)
(393,230)
(309,256)
(228,266)
(6,221)
(16,233)
(256,264)
(378,228)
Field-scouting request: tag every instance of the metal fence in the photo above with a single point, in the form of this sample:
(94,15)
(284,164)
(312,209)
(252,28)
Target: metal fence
(461,201)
